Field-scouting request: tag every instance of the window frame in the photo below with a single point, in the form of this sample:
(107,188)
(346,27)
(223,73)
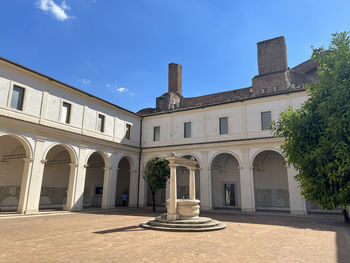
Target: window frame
(190,133)
(69,112)
(261,119)
(102,130)
(24,97)
(128,131)
(154,133)
(220,127)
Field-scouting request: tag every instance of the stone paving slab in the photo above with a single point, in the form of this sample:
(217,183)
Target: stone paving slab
(114,236)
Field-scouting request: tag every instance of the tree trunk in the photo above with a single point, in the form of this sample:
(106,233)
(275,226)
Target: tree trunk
(346,216)
(154,200)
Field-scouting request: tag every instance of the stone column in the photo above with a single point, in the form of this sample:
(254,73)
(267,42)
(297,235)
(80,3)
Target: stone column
(33,180)
(106,183)
(24,185)
(247,189)
(77,201)
(71,187)
(297,201)
(171,215)
(247,184)
(205,182)
(133,189)
(113,180)
(192,183)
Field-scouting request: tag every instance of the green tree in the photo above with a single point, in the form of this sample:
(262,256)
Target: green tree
(156,175)
(317,135)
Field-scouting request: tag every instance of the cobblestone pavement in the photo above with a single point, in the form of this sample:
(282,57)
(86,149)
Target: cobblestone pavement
(114,236)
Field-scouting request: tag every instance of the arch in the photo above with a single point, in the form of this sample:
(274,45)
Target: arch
(72,154)
(146,161)
(225,180)
(27,147)
(277,150)
(228,152)
(193,155)
(123,184)
(271,189)
(104,156)
(57,174)
(95,163)
(130,159)
(14,149)
(160,197)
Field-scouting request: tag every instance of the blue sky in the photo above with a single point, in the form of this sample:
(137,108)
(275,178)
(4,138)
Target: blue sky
(119,50)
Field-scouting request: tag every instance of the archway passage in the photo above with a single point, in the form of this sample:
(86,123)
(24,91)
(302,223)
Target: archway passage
(225,182)
(182,180)
(55,180)
(271,181)
(123,183)
(93,188)
(12,153)
(160,197)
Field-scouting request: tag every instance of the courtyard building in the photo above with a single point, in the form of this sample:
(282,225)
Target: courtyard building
(63,148)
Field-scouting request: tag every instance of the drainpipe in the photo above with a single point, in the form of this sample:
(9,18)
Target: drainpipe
(139,176)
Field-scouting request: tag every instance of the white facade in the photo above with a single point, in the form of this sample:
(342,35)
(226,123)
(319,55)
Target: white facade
(48,163)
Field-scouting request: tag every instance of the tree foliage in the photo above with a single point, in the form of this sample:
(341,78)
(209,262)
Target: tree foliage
(157,175)
(317,135)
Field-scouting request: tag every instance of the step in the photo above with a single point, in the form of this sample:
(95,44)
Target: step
(214,228)
(211,223)
(198,220)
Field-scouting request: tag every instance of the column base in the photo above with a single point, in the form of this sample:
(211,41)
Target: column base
(298,212)
(248,210)
(172,217)
(30,212)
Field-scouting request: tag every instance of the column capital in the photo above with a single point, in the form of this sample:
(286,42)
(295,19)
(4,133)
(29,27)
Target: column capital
(27,159)
(107,168)
(43,161)
(245,167)
(192,169)
(86,166)
(73,165)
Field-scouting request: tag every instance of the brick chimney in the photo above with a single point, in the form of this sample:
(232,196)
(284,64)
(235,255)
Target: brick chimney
(272,55)
(175,78)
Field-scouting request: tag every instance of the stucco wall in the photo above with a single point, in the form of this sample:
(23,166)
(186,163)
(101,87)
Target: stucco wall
(43,104)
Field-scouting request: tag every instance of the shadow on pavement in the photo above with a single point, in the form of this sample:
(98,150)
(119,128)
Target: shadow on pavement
(120,229)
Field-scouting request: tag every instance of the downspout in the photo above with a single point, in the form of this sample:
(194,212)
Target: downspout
(139,176)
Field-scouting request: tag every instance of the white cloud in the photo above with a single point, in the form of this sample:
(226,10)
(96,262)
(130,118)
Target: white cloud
(108,85)
(85,81)
(122,89)
(57,10)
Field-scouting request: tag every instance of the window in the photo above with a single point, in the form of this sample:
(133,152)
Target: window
(17,98)
(101,123)
(265,120)
(156,133)
(128,131)
(65,112)
(223,125)
(187,130)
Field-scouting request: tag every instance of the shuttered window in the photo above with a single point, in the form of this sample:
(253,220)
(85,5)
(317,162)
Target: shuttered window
(187,130)
(128,131)
(156,133)
(265,120)
(101,123)
(17,98)
(65,112)
(223,122)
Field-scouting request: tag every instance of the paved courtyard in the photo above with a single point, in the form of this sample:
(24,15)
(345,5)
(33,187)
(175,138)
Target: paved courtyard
(114,236)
